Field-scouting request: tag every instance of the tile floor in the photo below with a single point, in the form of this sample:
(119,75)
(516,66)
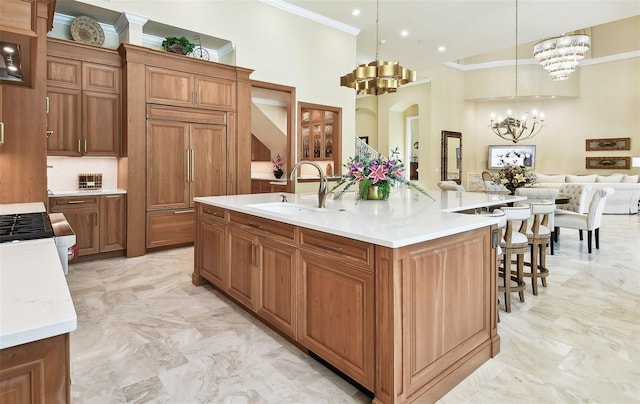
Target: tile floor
(146,334)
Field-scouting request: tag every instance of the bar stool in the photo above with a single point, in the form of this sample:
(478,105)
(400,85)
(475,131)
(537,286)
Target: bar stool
(539,235)
(502,222)
(512,243)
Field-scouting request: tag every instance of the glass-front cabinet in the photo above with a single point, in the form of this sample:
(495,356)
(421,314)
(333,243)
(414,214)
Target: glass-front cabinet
(319,131)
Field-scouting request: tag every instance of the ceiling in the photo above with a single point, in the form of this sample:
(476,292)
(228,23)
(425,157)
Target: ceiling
(465,27)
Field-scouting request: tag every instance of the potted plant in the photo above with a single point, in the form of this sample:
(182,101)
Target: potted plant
(278,163)
(180,45)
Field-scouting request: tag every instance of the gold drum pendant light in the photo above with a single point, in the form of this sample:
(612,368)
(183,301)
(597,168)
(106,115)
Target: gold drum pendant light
(377,77)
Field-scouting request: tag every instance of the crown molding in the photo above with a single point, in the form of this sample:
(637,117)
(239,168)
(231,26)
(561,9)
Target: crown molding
(301,12)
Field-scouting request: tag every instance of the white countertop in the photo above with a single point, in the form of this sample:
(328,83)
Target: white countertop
(408,217)
(35,302)
(29,207)
(83,192)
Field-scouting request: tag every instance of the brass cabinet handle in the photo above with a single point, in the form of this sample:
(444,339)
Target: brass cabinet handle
(187,165)
(47,104)
(330,247)
(212,213)
(254,225)
(193,165)
(75,202)
(85,145)
(1,132)
(79,146)
(112,196)
(180,212)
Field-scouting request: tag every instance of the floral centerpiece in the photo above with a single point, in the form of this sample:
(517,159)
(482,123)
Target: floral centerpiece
(514,176)
(375,175)
(278,163)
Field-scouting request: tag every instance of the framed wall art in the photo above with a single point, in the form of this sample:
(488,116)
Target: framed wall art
(619,143)
(521,155)
(608,162)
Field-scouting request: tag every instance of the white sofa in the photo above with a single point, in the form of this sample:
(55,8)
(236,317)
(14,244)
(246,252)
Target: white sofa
(626,188)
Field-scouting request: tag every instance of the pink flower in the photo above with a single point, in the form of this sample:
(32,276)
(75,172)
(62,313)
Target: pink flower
(378,173)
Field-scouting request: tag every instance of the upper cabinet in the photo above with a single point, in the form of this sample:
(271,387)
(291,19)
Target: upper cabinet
(84,109)
(319,132)
(172,87)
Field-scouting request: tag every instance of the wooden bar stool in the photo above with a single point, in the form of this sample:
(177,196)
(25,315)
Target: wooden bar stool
(497,213)
(538,234)
(513,242)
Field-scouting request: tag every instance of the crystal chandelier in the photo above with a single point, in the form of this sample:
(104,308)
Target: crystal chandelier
(514,128)
(559,56)
(377,77)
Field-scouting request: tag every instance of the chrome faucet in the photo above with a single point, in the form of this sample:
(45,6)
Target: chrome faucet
(324,184)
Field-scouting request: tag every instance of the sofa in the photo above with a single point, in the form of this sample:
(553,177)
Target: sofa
(626,188)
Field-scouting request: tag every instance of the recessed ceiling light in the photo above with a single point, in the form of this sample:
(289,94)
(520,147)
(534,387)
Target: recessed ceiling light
(404,32)
(8,49)
(383,41)
(355,12)
(441,48)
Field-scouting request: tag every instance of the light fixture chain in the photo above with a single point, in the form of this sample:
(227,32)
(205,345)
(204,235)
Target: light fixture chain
(377,27)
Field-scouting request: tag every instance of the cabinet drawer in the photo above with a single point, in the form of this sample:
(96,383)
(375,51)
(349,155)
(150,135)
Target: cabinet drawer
(74,202)
(170,227)
(266,227)
(342,248)
(212,213)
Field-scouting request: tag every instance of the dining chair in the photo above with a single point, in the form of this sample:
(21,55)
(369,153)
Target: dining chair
(450,186)
(590,221)
(577,194)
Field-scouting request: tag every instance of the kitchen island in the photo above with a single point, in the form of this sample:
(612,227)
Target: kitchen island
(36,317)
(398,295)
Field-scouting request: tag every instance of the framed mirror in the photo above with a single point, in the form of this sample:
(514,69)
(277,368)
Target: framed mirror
(451,156)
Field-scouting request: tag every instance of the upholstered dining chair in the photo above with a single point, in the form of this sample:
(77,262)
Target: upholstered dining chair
(577,194)
(450,186)
(590,221)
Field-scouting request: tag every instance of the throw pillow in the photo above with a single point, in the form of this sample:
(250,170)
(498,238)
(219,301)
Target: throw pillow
(613,178)
(549,178)
(630,179)
(581,179)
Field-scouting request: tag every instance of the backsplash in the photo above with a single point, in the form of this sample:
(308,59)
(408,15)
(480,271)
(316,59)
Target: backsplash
(63,172)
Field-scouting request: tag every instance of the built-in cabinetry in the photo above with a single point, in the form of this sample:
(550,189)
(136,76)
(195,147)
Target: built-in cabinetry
(319,131)
(407,323)
(186,157)
(36,372)
(99,221)
(83,91)
(23,158)
(190,118)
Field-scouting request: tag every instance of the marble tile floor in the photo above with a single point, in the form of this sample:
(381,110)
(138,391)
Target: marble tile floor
(146,334)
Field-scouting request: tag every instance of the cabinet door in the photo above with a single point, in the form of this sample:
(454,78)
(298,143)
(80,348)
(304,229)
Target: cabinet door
(210,252)
(208,160)
(277,302)
(343,337)
(167,157)
(242,261)
(113,209)
(96,77)
(85,222)
(62,72)
(212,93)
(65,122)
(170,87)
(101,123)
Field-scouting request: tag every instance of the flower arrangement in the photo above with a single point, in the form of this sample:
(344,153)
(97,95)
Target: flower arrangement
(514,176)
(375,175)
(278,163)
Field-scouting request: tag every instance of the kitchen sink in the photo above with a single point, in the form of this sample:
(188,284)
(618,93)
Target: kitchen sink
(292,208)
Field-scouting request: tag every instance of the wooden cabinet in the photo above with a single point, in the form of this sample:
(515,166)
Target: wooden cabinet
(210,245)
(335,274)
(36,372)
(99,222)
(242,272)
(319,131)
(113,222)
(172,87)
(84,116)
(184,160)
(83,214)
